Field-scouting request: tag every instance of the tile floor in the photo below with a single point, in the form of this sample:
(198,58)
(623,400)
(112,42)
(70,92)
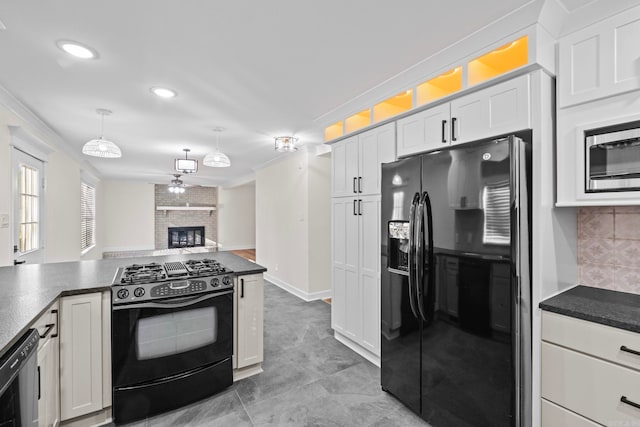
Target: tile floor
(309,379)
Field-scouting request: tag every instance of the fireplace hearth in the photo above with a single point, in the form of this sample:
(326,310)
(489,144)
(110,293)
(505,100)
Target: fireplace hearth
(185,237)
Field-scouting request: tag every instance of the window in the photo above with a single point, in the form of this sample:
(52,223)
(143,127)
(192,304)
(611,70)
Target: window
(87,216)
(28,212)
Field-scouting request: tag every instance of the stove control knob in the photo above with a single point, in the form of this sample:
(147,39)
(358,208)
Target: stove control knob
(215,282)
(138,292)
(122,293)
(226,280)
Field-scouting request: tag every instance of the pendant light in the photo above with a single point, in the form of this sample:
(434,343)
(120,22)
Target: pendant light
(176,185)
(186,165)
(102,147)
(217,159)
(286,144)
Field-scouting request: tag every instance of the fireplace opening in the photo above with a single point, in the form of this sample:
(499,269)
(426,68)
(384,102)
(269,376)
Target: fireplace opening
(185,237)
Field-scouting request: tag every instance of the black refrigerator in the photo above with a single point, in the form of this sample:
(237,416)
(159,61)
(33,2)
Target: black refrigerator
(455,283)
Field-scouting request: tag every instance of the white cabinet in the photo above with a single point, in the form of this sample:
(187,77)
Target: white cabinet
(424,131)
(590,370)
(496,110)
(248,330)
(81,355)
(48,367)
(600,60)
(356,161)
(355,305)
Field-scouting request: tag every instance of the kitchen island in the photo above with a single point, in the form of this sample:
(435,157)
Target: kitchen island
(27,290)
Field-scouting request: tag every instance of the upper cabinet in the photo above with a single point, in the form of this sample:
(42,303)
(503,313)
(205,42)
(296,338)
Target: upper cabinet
(496,110)
(600,60)
(356,161)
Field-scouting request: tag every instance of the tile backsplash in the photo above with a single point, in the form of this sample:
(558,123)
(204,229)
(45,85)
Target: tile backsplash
(609,247)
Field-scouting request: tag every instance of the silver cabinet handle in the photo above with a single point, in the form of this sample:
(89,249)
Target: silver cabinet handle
(354,184)
(360,207)
(359,184)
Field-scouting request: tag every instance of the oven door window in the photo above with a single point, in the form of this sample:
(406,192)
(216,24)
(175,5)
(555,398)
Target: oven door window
(155,340)
(175,333)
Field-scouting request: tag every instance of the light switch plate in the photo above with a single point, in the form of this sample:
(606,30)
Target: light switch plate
(4,220)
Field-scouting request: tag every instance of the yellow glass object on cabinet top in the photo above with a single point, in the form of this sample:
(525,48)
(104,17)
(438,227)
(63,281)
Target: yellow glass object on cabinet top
(393,106)
(440,86)
(357,121)
(499,61)
(334,131)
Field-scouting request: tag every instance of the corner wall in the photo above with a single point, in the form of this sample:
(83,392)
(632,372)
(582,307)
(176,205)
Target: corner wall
(292,224)
(237,217)
(128,213)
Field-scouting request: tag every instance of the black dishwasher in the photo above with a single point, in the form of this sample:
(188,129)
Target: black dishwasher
(20,383)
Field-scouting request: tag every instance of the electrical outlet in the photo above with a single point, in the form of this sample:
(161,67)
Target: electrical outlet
(4,220)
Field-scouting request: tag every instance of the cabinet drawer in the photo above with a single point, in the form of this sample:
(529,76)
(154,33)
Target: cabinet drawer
(592,338)
(47,324)
(554,415)
(589,386)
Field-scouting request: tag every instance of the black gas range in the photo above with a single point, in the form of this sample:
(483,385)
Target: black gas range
(171,336)
(145,282)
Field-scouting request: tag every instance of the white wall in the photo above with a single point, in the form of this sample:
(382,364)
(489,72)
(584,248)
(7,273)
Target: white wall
(237,217)
(128,213)
(62,209)
(6,238)
(293,224)
(319,223)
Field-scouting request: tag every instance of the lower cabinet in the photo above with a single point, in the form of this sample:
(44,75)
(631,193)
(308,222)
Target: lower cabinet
(590,373)
(48,367)
(248,322)
(355,305)
(85,384)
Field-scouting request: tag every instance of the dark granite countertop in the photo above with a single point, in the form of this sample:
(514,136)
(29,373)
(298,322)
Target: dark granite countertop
(611,308)
(27,290)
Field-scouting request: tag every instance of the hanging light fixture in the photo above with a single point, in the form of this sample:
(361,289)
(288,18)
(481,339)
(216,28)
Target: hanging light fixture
(186,165)
(286,144)
(217,159)
(102,147)
(176,185)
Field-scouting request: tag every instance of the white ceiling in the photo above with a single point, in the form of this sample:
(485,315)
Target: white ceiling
(257,68)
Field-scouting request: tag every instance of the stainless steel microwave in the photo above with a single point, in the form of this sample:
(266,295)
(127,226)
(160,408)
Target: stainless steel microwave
(612,159)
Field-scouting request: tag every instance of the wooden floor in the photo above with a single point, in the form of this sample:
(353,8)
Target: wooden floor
(249,254)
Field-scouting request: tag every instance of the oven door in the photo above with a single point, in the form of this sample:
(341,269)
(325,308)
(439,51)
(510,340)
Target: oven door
(163,338)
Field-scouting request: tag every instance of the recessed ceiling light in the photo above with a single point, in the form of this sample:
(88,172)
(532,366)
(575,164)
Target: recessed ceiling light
(163,92)
(76,49)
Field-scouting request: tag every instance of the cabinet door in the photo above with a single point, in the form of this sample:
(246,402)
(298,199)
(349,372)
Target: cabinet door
(80,355)
(493,111)
(344,167)
(600,60)
(424,131)
(344,264)
(249,316)
(369,272)
(49,368)
(375,147)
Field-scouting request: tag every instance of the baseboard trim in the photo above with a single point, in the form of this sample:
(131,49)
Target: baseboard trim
(357,348)
(246,372)
(224,247)
(128,248)
(305,296)
(93,419)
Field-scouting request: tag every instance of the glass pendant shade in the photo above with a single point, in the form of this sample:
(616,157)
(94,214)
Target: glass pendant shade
(217,160)
(286,144)
(101,148)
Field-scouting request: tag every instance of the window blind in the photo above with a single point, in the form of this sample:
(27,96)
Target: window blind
(497,219)
(87,216)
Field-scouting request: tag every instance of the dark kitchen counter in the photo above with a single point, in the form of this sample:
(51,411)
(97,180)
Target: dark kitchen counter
(611,308)
(27,290)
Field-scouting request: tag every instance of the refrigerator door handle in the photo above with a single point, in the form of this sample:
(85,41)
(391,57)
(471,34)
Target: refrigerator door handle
(426,219)
(412,249)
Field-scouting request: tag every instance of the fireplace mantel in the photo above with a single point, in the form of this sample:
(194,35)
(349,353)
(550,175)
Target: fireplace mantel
(186,208)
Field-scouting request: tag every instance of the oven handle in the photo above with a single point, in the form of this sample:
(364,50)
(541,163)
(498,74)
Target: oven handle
(172,302)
